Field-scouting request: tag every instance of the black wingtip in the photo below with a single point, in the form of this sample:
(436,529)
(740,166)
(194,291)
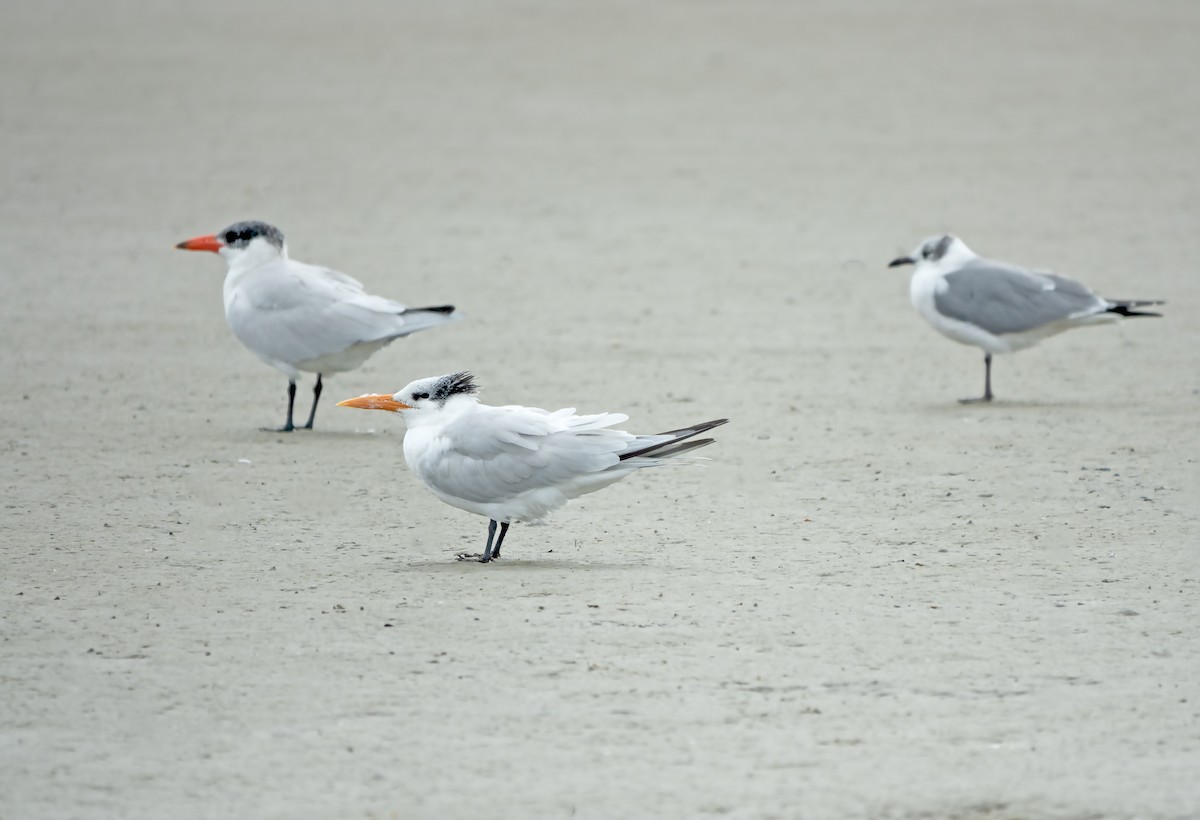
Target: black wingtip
(671,447)
(1129,308)
(695,429)
(436,309)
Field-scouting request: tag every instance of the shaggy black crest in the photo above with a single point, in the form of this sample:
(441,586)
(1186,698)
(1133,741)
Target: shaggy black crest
(453,385)
(239,234)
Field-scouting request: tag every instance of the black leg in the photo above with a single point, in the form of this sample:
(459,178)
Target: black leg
(500,540)
(288,427)
(987,382)
(488,552)
(312,414)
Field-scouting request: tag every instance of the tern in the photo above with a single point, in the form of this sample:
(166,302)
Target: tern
(517,463)
(998,307)
(298,317)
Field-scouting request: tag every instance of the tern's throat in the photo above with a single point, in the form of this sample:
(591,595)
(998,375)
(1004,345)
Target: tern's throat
(440,414)
(258,253)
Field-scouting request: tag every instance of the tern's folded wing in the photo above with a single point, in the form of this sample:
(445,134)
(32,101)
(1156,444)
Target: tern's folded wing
(501,452)
(295,312)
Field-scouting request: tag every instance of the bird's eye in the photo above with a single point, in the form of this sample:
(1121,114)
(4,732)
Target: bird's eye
(419,396)
(927,251)
(246,235)
(230,237)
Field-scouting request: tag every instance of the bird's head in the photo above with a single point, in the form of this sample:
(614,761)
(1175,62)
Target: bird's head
(242,243)
(422,398)
(942,250)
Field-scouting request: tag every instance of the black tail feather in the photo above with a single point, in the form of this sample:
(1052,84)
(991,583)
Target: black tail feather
(668,448)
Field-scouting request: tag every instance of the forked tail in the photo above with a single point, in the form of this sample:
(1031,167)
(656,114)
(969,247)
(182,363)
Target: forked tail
(671,443)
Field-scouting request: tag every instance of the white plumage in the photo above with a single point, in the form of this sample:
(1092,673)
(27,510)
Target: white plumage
(516,463)
(304,318)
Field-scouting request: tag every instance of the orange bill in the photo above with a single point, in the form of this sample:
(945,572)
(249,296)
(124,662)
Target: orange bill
(202,243)
(375,402)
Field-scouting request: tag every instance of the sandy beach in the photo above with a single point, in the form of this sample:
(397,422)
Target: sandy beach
(872,602)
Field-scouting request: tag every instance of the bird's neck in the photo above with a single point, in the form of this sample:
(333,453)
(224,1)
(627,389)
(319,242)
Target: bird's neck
(453,409)
(255,256)
(958,255)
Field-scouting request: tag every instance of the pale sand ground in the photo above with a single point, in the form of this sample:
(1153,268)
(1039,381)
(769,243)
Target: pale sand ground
(873,602)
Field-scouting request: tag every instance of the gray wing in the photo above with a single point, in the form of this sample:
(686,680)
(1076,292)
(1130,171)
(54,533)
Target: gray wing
(501,452)
(1004,298)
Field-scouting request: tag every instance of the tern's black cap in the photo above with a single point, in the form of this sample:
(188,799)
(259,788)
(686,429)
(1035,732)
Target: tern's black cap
(455,384)
(240,234)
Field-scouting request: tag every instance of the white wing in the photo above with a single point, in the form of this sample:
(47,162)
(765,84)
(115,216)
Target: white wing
(495,454)
(291,312)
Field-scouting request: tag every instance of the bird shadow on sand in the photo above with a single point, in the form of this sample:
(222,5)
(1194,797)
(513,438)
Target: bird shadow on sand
(1002,405)
(451,565)
(326,435)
